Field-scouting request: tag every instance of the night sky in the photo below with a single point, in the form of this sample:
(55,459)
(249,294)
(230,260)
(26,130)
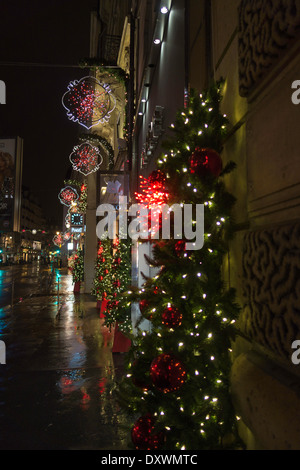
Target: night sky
(56,32)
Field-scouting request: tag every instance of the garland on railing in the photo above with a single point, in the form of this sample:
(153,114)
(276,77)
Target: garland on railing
(93,63)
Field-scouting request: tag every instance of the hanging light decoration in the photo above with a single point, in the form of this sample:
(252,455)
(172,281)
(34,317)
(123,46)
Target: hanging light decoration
(68,195)
(86,158)
(57,239)
(88,102)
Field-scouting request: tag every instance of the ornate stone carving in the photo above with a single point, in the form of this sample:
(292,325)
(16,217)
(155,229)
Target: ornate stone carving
(266,29)
(271,283)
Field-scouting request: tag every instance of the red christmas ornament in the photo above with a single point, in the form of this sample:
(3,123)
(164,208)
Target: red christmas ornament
(157,176)
(143,436)
(143,305)
(206,162)
(171,317)
(180,247)
(167,373)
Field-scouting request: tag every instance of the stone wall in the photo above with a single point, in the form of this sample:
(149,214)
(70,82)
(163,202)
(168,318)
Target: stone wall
(256,48)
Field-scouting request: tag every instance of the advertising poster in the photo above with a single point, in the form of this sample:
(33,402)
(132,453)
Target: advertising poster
(10,182)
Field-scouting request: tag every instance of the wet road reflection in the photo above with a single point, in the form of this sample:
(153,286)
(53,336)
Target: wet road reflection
(56,386)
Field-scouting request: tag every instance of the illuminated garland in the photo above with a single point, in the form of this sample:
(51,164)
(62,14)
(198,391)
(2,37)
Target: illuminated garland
(93,63)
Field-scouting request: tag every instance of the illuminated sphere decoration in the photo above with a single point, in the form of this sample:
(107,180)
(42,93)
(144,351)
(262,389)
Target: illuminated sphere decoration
(88,102)
(171,317)
(167,373)
(68,195)
(143,435)
(86,158)
(205,162)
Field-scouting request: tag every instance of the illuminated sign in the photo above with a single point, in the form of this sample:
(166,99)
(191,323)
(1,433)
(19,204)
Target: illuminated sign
(76,219)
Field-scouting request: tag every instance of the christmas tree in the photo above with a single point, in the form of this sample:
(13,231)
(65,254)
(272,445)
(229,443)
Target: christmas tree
(120,281)
(102,288)
(177,387)
(78,268)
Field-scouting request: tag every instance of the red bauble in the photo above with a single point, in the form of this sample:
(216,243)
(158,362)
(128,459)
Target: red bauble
(143,305)
(142,434)
(171,317)
(180,247)
(157,176)
(167,373)
(206,162)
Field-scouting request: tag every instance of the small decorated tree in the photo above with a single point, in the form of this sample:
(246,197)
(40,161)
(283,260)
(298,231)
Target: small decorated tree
(102,288)
(78,267)
(120,280)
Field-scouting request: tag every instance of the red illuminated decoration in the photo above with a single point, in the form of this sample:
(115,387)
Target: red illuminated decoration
(180,247)
(144,436)
(153,195)
(153,188)
(206,162)
(167,373)
(58,239)
(68,195)
(143,305)
(66,236)
(86,158)
(171,317)
(88,102)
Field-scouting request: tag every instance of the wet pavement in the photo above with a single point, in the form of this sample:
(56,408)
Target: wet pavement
(56,386)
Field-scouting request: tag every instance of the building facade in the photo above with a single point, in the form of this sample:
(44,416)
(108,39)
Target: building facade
(166,48)
(255,49)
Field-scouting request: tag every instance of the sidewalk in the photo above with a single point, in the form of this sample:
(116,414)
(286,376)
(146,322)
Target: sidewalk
(59,374)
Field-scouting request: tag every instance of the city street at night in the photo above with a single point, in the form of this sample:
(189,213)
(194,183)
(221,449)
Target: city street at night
(150,227)
(56,384)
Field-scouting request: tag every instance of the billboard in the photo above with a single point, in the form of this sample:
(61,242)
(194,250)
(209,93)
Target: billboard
(11,160)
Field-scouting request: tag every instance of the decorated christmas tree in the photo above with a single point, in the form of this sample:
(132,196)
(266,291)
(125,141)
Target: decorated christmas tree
(177,387)
(120,281)
(102,288)
(78,268)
